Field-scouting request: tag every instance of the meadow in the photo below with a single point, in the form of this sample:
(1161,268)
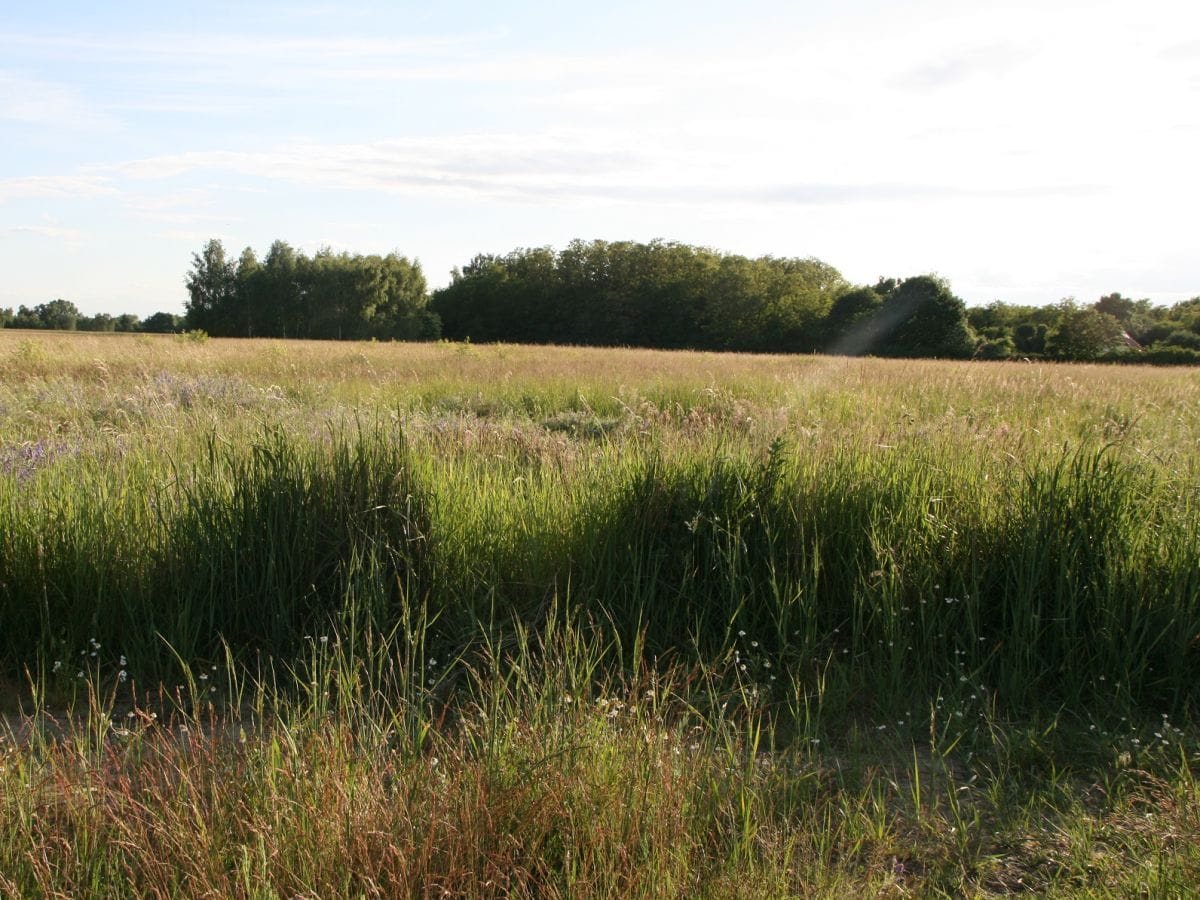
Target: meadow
(377,619)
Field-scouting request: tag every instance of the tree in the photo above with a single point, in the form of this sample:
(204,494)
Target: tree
(25,318)
(1120,308)
(997,348)
(655,294)
(1030,337)
(98,322)
(921,317)
(162,323)
(1084,333)
(848,329)
(250,313)
(281,304)
(60,315)
(211,290)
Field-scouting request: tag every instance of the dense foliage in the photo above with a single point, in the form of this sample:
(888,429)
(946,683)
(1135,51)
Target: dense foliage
(1114,329)
(673,295)
(289,294)
(657,295)
(63,315)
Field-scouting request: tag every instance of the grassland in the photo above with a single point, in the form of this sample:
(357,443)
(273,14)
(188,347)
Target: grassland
(387,619)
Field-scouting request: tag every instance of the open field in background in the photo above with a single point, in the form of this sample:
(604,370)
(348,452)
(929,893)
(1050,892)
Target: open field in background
(387,618)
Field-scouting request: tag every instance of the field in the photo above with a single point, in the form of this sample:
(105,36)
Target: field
(329,619)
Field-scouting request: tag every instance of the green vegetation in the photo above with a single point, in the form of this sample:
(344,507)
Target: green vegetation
(295,617)
(657,295)
(1113,329)
(330,295)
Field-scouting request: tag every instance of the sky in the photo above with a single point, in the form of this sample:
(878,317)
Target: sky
(1024,151)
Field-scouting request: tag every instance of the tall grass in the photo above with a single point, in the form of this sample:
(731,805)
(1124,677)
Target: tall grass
(286,619)
(1075,579)
(544,776)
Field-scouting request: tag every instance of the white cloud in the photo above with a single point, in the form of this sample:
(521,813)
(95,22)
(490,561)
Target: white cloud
(55,232)
(965,64)
(56,186)
(590,166)
(33,101)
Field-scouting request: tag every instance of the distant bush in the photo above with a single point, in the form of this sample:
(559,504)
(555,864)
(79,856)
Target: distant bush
(1160,355)
(998,348)
(1181,337)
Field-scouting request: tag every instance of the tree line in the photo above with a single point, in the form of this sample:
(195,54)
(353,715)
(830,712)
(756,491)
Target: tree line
(674,295)
(63,315)
(289,294)
(658,294)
